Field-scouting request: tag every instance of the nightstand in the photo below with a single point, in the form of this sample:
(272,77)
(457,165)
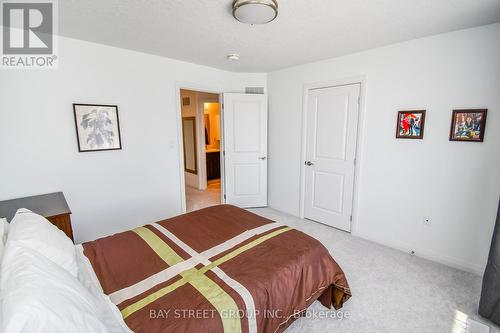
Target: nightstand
(52,206)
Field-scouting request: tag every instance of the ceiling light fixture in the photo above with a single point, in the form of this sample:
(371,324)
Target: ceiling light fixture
(233,57)
(255,11)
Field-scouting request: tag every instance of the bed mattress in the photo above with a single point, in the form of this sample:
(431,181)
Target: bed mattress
(220,269)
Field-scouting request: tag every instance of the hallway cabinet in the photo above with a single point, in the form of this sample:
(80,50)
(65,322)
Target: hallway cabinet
(213,165)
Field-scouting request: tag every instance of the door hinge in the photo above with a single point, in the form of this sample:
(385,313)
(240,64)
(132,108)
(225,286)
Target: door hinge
(359,100)
(350,218)
(355,161)
(224,196)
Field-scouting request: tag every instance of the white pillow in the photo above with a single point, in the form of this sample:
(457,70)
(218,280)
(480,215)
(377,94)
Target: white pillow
(39,296)
(35,232)
(4,227)
(110,315)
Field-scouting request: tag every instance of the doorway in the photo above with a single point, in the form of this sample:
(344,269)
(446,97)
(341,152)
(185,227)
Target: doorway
(201,144)
(330,137)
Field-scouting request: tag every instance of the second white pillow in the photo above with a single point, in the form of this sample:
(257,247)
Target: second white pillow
(38,296)
(37,233)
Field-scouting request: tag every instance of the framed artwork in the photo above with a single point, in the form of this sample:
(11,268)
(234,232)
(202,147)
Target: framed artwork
(410,124)
(97,127)
(468,125)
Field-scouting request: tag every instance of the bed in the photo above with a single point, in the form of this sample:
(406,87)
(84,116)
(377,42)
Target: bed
(220,269)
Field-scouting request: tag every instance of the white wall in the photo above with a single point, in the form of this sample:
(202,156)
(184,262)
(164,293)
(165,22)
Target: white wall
(456,184)
(107,191)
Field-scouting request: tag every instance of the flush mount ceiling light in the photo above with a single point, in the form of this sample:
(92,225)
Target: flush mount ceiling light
(255,11)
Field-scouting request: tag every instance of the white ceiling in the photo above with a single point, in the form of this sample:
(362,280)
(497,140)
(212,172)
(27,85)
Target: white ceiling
(204,31)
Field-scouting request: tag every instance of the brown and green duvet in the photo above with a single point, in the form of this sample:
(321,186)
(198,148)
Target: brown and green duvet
(220,269)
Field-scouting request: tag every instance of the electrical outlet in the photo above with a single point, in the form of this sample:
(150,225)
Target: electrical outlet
(426,220)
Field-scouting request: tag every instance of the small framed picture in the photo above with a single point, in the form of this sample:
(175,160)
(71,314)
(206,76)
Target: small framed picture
(410,124)
(468,125)
(97,127)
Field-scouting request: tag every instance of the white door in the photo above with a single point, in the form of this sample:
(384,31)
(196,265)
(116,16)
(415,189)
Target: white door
(331,126)
(245,150)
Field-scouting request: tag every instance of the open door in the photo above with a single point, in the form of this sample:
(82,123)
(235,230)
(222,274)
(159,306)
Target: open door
(245,149)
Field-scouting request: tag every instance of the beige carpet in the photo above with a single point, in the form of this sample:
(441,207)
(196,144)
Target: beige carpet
(392,290)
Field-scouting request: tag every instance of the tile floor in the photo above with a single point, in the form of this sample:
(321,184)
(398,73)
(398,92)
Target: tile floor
(196,199)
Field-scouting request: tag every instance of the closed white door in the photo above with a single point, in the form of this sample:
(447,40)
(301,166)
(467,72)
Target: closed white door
(245,150)
(332,119)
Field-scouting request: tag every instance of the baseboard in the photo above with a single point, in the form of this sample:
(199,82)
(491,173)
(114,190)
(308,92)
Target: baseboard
(282,209)
(429,255)
(426,254)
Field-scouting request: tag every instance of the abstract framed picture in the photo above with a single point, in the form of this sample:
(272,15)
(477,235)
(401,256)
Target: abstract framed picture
(97,127)
(468,125)
(410,124)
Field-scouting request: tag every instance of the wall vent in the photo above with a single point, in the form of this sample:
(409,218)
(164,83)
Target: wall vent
(254,90)
(186,101)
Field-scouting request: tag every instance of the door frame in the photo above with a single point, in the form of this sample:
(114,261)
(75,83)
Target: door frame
(202,184)
(361,80)
(180,147)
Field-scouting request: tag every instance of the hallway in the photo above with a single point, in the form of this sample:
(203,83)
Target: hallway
(196,199)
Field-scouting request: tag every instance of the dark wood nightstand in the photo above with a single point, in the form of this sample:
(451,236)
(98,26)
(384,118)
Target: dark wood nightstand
(52,206)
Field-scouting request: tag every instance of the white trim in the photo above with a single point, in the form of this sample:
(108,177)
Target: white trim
(222,151)
(177,97)
(202,157)
(429,255)
(361,80)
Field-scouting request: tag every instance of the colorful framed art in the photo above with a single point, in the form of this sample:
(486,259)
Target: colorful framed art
(410,124)
(468,125)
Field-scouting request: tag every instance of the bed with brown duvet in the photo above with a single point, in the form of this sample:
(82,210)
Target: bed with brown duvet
(220,269)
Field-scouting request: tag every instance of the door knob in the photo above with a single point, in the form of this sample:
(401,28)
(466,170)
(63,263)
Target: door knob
(263,158)
(309,163)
